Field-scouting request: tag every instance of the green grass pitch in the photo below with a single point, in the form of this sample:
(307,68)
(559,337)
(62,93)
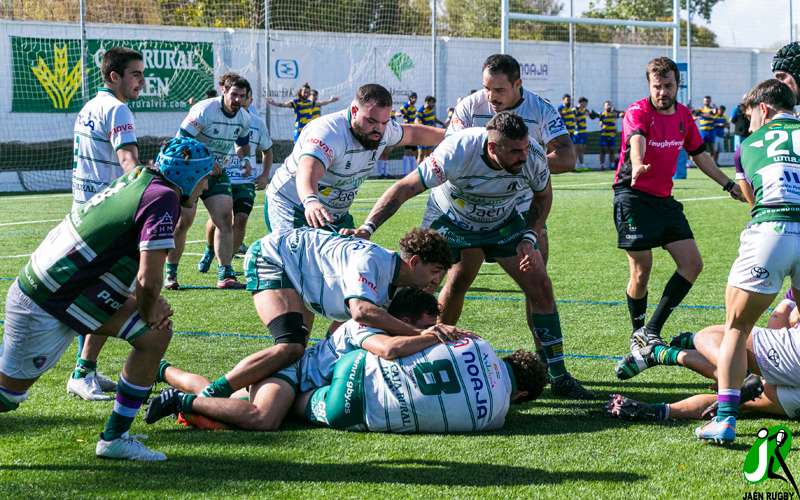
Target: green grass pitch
(549,448)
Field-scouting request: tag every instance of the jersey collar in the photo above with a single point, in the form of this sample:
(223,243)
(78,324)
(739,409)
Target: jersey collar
(521,100)
(785,116)
(222,107)
(511,376)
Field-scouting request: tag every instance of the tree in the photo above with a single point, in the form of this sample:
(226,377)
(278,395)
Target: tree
(481,19)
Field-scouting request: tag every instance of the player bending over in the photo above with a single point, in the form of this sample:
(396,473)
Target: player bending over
(79,281)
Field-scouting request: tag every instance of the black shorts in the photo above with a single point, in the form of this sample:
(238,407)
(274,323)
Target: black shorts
(645,221)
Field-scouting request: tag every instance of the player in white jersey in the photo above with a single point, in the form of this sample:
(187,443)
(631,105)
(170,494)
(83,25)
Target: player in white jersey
(306,271)
(477,176)
(333,156)
(271,398)
(243,188)
(222,124)
(105,148)
(502,91)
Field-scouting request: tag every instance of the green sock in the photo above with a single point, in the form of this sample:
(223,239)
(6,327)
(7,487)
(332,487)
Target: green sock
(665,355)
(162,367)
(548,329)
(209,252)
(684,340)
(187,400)
(224,272)
(172,269)
(126,405)
(219,388)
(83,367)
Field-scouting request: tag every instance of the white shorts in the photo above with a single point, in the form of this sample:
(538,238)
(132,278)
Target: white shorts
(33,341)
(768,252)
(777,353)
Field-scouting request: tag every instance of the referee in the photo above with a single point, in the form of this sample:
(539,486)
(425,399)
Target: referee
(645,213)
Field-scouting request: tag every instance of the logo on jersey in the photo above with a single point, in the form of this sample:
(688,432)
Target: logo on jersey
(774,358)
(287,69)
(399,63)
(62,84)
(767,457)
(39,361)
(126,127)
(314,141)
(436,169)
(366,281)
(165,227)
(759,273)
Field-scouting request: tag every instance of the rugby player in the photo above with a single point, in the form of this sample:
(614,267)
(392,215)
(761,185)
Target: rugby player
(608,134)
(334,155)
(243,189)
(580,137)
(426,115)
(705,123)
(768,246)
(303,105)
(100,272)
(408,112)
(786,66)
(223,124)
(477,176)
(105,148)
(413,358)
(298,273)
(645,213)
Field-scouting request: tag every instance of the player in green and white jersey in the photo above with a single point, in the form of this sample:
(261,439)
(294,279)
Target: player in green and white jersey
(477,177)
(105,147)
(223,124)
(333,156)
(243,188)
(100,271)
(769,248)
(402,357)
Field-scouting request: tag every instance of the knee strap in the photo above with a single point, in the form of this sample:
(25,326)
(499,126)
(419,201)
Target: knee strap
(288,329)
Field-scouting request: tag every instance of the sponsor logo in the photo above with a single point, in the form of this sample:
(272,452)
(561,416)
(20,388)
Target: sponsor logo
(287,69)
(666,143)
(39,361)
(127,127)
(774,357)
(766,458)
(399,63)
(759,273)
(436,169)
(321,145)
(165,226)
(348,393)
(533,70)
(476,383)
(366,281)
(106,298)
(62,83)
(457,122)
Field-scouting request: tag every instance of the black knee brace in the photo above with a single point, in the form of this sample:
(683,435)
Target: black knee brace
(288,329)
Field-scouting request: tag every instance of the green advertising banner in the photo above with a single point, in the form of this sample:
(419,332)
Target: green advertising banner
(47,74)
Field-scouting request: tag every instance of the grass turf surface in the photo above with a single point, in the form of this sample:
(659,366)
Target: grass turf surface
(548,448)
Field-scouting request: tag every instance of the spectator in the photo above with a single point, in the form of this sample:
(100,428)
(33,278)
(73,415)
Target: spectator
(741,126)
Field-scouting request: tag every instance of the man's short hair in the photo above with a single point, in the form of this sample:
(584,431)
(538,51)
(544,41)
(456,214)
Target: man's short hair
(530,373)
(502,63)
(210,94)
(411,302)
(372,92)
(225,77)
(566,96)
(772,92)
(430,98)
(413,94)
(510,125)
(583,99)
(428,245)
(661,66)
(238,82)
(116,59)
(707,97)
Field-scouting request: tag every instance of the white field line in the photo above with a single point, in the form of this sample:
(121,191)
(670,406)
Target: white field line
(703,198)
(22,223)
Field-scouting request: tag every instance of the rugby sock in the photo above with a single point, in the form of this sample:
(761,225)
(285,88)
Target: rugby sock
(224,272)
(172,269)
(83,367)
(81,339)
(728,400)
(186,402)
(638,310)
(662,411)
(209,252)
(162,367)
(674,293)
(219,388)
(548,328)
(667,356)
(684,340)
(127,403)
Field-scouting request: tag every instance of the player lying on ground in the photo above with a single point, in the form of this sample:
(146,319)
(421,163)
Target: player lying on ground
(296,274)
(477,394)
(78,281)
(773,354)
(477,177)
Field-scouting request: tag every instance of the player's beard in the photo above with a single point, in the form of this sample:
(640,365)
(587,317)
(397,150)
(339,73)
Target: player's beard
(664,103)
(365,138)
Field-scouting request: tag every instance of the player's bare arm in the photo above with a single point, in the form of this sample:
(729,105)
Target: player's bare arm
(128,156)
(309,172)
(638,148)
(149,281)
(394,197)
(707,165)
(421,135)
(561,155)
(266,165)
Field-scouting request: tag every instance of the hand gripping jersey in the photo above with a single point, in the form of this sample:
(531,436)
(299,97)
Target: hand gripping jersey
(664,136)
(104,125)
(347,163)
(208,123)
(327,269)
(454,387)
(771,164)
(259,139)
(85,268)
(475,196)
(543,121)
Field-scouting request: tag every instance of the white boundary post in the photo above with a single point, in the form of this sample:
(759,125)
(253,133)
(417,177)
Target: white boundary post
(504,18)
